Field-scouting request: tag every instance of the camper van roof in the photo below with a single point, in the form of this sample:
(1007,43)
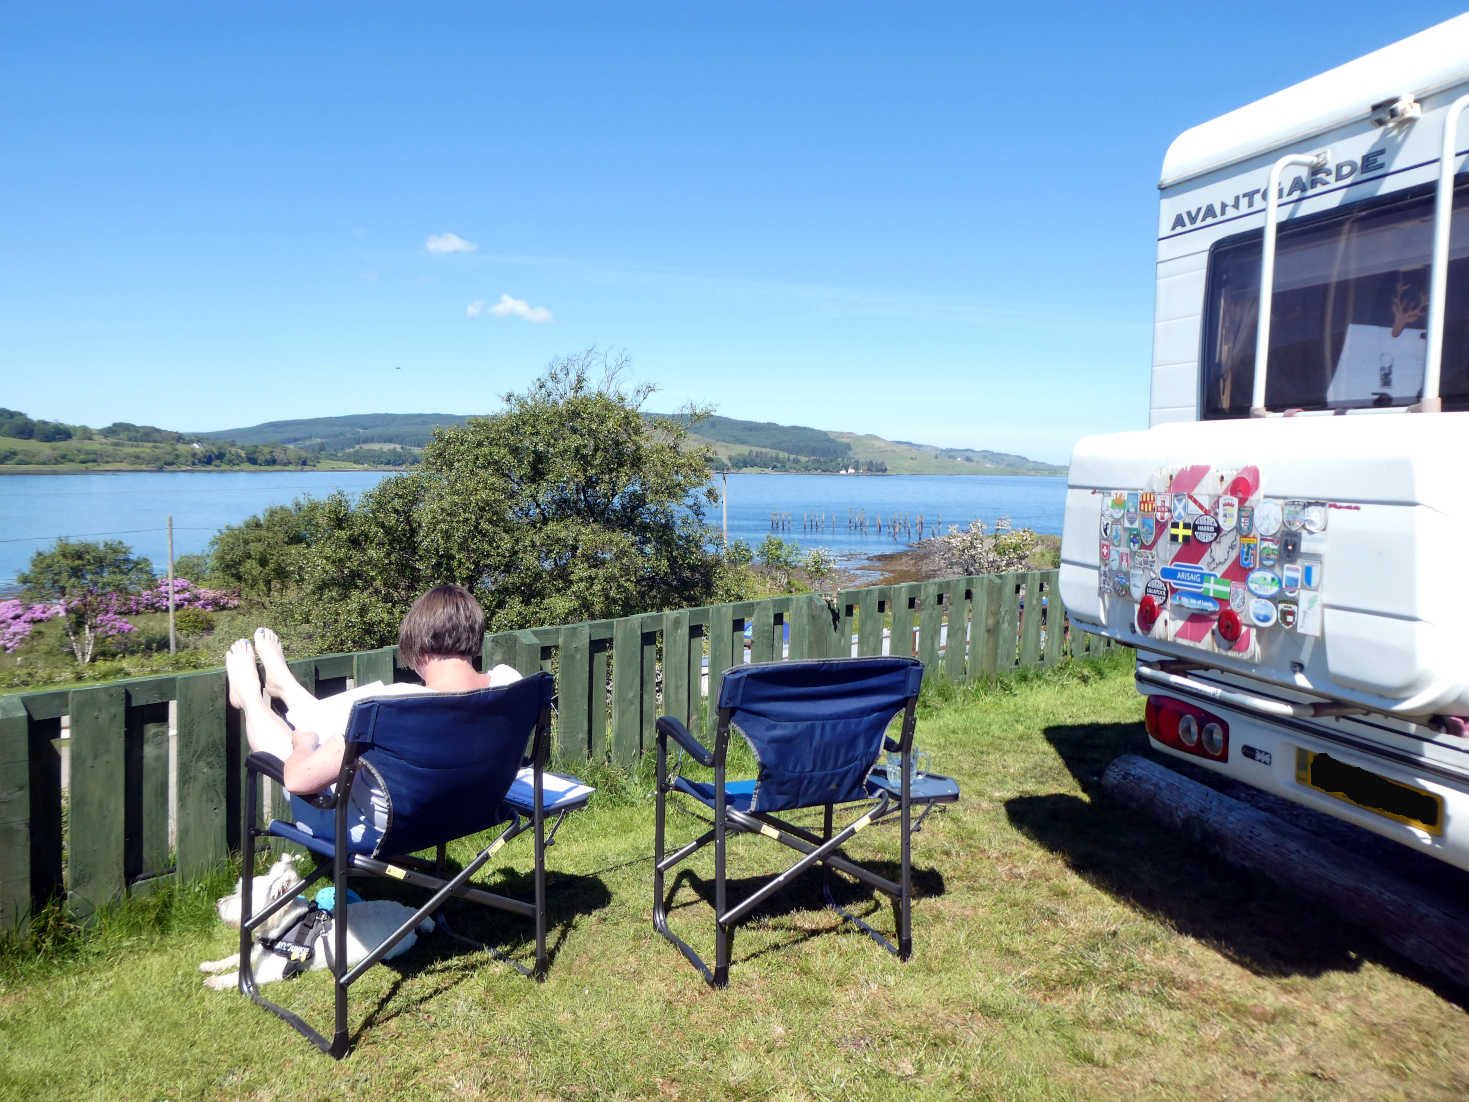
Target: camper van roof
(1419,65)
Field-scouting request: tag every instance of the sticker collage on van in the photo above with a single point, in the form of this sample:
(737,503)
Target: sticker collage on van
(1207,560)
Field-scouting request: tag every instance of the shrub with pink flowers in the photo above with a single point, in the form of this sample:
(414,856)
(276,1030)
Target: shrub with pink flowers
(185,595)
(109,610)
(17,619)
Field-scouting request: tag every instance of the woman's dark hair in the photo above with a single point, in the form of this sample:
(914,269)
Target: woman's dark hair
(446,622)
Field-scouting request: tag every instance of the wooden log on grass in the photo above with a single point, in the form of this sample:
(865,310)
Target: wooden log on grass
(1401,914)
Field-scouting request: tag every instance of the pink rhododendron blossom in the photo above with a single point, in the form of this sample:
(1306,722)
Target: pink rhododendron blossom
(185,595)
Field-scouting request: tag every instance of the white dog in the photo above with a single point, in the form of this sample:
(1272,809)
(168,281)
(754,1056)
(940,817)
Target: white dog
(280,878)
(369,922)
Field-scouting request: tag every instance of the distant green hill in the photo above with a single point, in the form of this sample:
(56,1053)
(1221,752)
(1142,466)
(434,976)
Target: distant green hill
(397,439)
(904,457)
(741,445)
(768,436)
(754,445)
(335,434)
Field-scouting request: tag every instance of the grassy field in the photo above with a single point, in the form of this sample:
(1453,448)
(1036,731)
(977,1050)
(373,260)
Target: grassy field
(1062,949)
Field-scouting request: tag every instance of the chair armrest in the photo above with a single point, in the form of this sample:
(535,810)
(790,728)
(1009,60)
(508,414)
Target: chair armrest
(890,746)
(271,766)
(261,762)
(667,725)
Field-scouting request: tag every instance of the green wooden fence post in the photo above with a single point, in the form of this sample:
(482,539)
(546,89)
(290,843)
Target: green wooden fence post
(698,634)
(978,612)
(146,806)
(204,771)
(1055,616)
(305,671)
(627,695)
(721,657)
(374,665)
(819,629)
(930,618)
(573,695)
(528,658)
(600,632)
(502,649)
(676,664)
(97,797)
(905,598)
(994,598)
(762,633)
(869,620)
(1009,629)
(845,628)
(15,815)
(958,622)
(1030,622)
(650,626)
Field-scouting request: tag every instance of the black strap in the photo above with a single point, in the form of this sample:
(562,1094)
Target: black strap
(298,944)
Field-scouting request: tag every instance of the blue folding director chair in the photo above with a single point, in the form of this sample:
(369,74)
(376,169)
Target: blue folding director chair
(816,728)
(448,766)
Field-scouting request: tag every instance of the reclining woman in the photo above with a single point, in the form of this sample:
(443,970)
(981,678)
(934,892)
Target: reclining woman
(439,640)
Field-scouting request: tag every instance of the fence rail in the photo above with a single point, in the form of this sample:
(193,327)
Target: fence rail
(155,764)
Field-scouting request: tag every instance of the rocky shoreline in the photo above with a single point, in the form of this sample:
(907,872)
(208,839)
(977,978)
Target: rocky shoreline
(927,560)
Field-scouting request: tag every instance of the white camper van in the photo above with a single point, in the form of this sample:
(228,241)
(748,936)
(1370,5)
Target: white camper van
(1287,544)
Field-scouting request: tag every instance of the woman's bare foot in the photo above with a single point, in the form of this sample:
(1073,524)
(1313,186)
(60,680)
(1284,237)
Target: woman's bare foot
(280,682)
(264,730)
(244,682)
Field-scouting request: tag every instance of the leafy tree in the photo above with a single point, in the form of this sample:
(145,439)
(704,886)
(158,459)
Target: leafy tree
(739,553)
(780,557)
(48,432)
(569,505)
(194,567)
(15,423)
(263,557)
(86,579)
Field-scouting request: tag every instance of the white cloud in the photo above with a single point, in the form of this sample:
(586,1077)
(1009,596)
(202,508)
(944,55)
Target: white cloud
(448,243)
(509,307)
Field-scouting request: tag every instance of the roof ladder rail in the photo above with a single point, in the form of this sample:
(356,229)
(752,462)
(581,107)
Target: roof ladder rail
(1438,279)
(1267,268)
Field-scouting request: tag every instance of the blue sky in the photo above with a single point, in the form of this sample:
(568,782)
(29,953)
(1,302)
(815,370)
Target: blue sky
(932,222)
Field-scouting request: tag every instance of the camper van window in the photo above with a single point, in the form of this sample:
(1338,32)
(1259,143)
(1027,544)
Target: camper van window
(1349,312)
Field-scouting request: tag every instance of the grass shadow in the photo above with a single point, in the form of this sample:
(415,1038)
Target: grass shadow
(803,896)
(1252,921)
(476,929)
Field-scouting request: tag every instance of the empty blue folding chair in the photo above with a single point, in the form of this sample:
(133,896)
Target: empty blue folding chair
(448,765)
(817,729)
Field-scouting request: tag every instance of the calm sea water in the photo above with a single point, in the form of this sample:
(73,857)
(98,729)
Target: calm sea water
(35,510)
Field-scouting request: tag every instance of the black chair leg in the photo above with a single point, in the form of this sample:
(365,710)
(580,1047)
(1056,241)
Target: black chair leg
(722,931)
(540,890)
(905,880)
(245,982)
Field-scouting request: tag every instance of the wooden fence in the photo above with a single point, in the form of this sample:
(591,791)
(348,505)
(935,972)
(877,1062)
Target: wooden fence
(155,764)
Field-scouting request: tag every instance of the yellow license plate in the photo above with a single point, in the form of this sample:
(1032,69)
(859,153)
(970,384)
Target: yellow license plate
(1403,803)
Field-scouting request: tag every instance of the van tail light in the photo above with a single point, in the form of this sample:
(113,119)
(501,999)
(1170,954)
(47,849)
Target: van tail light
(1147,614)
(1187,727)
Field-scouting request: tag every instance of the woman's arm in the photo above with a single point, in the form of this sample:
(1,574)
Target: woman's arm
(310,768)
